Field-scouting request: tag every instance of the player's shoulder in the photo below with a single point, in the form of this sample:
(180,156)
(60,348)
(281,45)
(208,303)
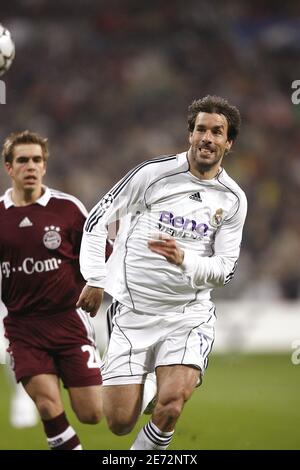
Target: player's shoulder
(144,174)
(157,166)
(61,198)
(227,182)
(237,195)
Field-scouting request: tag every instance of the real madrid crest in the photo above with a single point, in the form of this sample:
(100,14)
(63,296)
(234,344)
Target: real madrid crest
(217,218)
(52,238)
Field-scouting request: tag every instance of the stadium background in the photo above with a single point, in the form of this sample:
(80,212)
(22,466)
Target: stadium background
(109,83)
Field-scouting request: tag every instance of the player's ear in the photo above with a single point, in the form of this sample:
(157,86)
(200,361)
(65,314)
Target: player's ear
(45,167)
(228,145)
(8,168)
(190,137)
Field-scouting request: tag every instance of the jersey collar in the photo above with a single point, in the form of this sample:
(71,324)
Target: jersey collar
(43,200)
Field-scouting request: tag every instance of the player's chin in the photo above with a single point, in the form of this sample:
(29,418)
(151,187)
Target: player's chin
(32,184)
(207,162)
(206,157)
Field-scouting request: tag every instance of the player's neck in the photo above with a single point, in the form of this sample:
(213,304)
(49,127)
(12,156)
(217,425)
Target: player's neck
(205,174)
(201,170)
(26,197)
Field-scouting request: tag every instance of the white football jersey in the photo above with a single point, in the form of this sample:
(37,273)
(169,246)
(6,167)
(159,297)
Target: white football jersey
(206,218)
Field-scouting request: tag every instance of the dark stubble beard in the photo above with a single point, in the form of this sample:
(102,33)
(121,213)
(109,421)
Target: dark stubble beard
(204,167)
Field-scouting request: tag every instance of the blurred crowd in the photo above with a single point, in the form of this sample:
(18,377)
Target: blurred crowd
(109,83)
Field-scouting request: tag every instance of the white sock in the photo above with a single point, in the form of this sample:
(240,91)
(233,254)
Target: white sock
(151,438)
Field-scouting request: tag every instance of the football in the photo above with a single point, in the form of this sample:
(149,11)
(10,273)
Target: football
(7,50)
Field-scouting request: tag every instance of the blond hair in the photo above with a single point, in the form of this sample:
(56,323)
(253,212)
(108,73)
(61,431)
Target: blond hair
(25,137)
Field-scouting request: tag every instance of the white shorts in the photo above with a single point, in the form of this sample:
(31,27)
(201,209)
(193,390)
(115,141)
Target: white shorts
(141,342)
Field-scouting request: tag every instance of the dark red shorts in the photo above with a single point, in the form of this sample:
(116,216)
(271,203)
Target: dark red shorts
(60,344)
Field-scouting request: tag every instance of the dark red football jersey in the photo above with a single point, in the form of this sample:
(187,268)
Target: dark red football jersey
(39,251)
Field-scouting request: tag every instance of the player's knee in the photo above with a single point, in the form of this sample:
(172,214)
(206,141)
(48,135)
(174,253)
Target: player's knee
(120,426)
(89,416)
(170,408)
(47,407)
(173,409)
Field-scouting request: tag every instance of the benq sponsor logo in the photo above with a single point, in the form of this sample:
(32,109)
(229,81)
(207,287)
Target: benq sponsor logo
(183,224)
(30,266)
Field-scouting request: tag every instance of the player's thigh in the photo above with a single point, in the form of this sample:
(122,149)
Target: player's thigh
(28,360)
(76,356)
(176,382)
(122,402)
(44,389)
(79,366)
(87,403)
(125,361)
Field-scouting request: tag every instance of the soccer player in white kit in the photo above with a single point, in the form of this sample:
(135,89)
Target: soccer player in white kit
(181,238)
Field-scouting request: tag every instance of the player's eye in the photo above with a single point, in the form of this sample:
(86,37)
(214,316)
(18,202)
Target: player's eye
(37,159)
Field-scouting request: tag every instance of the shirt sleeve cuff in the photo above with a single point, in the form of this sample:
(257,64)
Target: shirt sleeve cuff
(95,282)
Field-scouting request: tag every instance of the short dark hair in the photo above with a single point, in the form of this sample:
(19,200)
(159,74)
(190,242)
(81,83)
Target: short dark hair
(25,137)
(218,105)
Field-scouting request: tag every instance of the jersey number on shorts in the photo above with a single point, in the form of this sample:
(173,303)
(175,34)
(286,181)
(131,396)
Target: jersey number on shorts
(94,358)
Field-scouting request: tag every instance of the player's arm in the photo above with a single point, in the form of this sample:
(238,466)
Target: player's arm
(125,197)
(90,299)
(213,271)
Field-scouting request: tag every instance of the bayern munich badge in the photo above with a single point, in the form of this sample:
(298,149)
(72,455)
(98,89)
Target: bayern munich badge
(52,238)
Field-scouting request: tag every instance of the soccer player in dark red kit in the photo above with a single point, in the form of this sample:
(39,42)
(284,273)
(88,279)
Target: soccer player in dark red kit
(49,339)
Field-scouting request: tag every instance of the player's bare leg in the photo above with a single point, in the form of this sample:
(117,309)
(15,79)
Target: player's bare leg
(122,406)
(87,403)
(175,386)
(45,392)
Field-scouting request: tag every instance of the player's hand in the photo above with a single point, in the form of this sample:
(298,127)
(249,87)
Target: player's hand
(90,299)
(165,245)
